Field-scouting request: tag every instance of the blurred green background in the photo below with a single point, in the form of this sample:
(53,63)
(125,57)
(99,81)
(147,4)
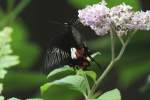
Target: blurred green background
(30,20)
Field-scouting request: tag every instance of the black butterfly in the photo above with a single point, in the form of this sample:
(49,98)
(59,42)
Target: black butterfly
(69,48)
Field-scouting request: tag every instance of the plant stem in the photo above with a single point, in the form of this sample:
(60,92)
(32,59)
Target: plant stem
(121,40)
(110,66)
(125,45)
(112,45)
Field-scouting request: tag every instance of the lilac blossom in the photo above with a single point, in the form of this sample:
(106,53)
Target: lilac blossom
(120,17)
(140,21)
(96,16)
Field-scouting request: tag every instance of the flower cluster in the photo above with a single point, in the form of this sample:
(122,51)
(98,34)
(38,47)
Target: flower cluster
(120,18)
(140,21)
(96,17)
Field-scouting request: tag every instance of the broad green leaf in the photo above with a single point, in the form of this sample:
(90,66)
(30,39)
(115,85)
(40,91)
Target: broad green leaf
(91,74)
(7,61)
(61,92)
(67,88)
(13,98)
(1,98)
(77,82)
(90,77)
(110,95)
(2,73)
(60,73)
(5,50)
(35,99)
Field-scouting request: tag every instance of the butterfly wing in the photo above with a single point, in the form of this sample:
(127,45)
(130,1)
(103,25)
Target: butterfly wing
(56,57)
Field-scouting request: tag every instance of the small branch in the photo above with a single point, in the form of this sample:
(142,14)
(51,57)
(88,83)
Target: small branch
(125,45)
(112,45)
(110,66)
(121,40)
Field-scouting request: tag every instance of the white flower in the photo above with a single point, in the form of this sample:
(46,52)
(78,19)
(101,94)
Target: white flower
(121,16)
(140,21)
(96,17)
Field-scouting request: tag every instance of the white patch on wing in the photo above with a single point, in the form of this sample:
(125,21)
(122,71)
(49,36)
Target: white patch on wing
(73,53)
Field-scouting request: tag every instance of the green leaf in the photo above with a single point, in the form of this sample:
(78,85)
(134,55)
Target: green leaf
(2,73)
(13,98)
(1,98)
(91,74)
(110,95)
(5,50)
(60,73)
(68,88)
(35,99)
(7,61)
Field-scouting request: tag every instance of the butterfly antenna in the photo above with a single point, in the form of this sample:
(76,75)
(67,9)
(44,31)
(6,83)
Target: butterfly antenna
(92,59)
(54,22)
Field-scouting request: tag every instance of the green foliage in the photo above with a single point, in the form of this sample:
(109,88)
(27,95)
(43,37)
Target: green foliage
(113,95)
(6,58)
(60,73)
(13,98)
(91,74)
(1,98)
(35,99)
(68,88)
(83,3)
(21,45)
